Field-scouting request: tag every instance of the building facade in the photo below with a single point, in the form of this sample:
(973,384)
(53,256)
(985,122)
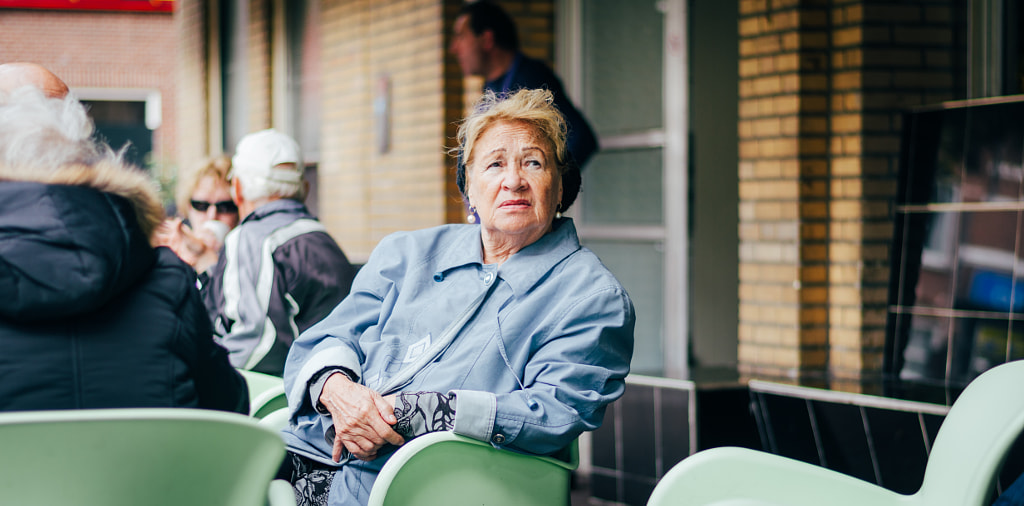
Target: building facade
(745,189)
(118,57)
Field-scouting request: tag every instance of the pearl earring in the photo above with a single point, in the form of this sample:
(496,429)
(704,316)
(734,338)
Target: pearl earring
(558,211)
(472,215)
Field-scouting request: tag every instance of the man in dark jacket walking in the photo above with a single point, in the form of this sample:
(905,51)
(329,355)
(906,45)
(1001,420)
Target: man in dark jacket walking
(486,43)
(280,271)
(91,315)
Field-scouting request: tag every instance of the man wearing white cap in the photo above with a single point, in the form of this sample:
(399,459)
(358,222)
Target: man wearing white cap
(279,272)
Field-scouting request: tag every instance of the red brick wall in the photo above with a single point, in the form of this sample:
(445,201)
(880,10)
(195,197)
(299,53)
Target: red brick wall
(101,50)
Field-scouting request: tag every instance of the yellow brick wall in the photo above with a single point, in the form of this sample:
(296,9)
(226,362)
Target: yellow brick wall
(535,22)
(783,190)
(258,68)
(823,86)
(886,57)
(191,75)
(366,194)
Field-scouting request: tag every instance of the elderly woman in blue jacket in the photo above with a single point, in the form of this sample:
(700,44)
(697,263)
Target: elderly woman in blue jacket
(505,331)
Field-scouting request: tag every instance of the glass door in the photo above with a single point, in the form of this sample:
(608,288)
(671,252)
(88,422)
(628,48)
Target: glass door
(616,58)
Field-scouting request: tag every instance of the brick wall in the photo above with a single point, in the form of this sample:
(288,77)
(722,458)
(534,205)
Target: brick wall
(366,194)
(535,22)
(191,78)
(783,188)
(258,69)
(823,85)
(887,57)
(101,50)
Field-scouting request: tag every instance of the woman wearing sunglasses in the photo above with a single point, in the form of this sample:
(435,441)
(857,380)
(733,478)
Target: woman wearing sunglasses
(209,215)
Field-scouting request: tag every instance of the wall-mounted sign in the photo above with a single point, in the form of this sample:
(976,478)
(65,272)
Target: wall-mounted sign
(92,5)
(382,113)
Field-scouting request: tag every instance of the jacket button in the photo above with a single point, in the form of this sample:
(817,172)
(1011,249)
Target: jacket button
(498,438)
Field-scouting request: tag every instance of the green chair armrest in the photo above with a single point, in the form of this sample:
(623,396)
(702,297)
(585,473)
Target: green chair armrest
(276,420)
(442,468)
(266,393)
(740,476)
(268,401)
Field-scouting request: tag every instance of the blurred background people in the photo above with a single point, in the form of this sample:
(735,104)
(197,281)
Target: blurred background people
(17,74)
(486,43)
(204,198)
(93,315)
(280,271)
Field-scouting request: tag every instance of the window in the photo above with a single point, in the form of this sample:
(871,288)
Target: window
(632,211)
(125,118)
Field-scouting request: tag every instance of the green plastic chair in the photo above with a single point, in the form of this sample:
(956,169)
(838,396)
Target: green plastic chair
(129,457)
(275,420)
(962,467)
(266,393)
(445,469)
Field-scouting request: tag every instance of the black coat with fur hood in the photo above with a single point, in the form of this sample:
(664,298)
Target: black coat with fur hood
(92,316)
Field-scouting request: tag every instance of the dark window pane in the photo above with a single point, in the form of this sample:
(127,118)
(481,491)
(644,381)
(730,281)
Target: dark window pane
(992,153)
(955,285)
(924,352)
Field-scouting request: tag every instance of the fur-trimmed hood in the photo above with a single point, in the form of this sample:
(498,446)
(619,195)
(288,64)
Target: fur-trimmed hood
(73,239)
(107,177)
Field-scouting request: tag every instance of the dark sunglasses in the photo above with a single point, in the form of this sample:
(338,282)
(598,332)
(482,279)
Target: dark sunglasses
(223,207)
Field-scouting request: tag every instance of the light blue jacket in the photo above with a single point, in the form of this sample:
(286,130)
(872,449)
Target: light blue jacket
(534,367)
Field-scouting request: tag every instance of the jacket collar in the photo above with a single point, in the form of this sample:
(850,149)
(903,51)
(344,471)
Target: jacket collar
(522,270)
(276,206)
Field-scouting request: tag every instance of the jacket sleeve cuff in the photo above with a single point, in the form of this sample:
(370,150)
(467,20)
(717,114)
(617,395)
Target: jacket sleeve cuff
(474,413)
(316,386)
(335,357)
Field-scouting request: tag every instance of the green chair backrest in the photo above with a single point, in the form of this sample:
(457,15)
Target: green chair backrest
(963,464)
(145,456)
(975,438)
(266,393)
(442,468)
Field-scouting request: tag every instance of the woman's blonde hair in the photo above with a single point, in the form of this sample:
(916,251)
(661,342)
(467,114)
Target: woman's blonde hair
(217,167)
(534,107)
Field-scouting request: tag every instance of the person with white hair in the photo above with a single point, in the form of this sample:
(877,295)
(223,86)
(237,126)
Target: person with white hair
(17,74)
(279,272)
(93,316)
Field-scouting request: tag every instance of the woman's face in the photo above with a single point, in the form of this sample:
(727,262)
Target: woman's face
(210,192)
(513,182)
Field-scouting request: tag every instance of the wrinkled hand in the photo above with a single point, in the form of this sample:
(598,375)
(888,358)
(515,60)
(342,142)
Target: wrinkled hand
(362,418)
(196,248)
(168,233)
